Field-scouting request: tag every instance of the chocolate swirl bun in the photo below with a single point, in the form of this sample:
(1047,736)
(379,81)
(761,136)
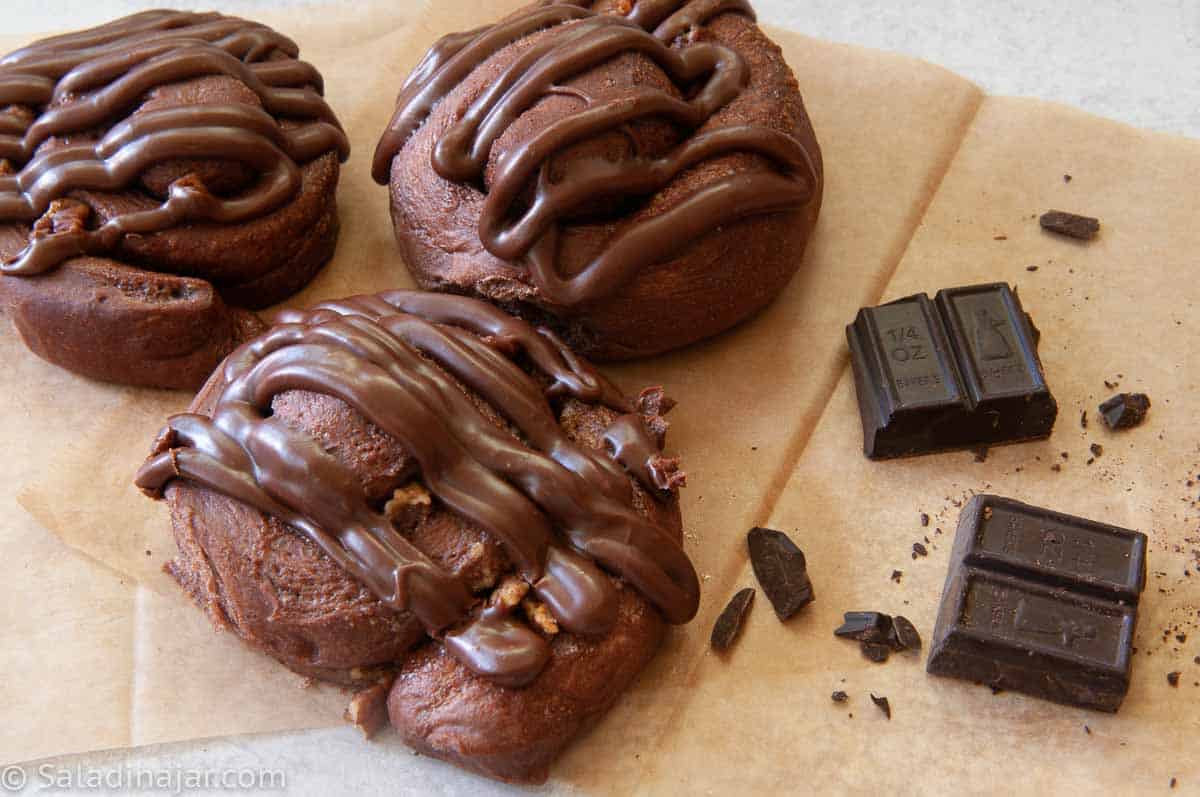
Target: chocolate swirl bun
(421,482)
(635,175)
(152,170)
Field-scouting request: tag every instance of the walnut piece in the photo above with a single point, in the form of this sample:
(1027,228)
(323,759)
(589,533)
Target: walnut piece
(408,506)
(510,593)
(368,709)
(539,616)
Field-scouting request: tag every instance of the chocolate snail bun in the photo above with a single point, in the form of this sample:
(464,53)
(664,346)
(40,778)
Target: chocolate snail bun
(159,176)
(637,176)
(420,484)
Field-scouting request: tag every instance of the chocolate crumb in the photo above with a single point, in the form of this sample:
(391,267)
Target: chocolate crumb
(1056,468)
(1067,178)
(729,625)
(1097,450)
(864,626)
(1087,730)
(1065,455)
(1173,678)
(905,634)
(1072,225)
(883,704)
(924,519)
(899,574)
(1125,410)
(999,237)
(1083,420)
(919,550)
(877,652)
(781,569)
(839,696)
(1174,783)
(1031,268)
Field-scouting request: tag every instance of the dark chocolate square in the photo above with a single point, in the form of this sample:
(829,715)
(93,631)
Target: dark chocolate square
(1040,602)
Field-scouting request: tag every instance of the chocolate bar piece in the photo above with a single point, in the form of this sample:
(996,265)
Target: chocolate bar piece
(958,372)
(1040,602)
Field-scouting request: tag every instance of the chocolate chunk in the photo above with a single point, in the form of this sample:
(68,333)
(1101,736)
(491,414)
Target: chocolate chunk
(958,372)
(864,626)
(1125,410)
(904,634)
(839,697)
(919,550)
(1040,602)
(883,704)
(1173,678)
(877,652)
(1070,224)
(780,568)
(729,624)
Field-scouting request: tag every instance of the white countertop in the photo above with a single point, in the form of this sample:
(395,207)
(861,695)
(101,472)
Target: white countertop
(1135,62)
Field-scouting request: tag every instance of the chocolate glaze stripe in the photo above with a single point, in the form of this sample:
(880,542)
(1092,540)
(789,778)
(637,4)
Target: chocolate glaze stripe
(668,19)
(461,153)
(89,79)
(399,358)
(447,65)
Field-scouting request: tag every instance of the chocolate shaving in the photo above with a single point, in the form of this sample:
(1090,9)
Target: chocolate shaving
(877,652)
(1125,410)
(781,569)
(729,624)
(864,626)
(905,636)
(1071,225)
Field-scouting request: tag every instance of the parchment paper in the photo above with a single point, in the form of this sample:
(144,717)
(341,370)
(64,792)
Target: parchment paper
(923,174)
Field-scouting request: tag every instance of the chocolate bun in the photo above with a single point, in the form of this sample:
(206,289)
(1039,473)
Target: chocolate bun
(160,176)
(636,176)
(421,486)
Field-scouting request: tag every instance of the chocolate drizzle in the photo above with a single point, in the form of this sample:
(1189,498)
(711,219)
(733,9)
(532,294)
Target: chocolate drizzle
(399,359)
(585,41)
(81,82)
